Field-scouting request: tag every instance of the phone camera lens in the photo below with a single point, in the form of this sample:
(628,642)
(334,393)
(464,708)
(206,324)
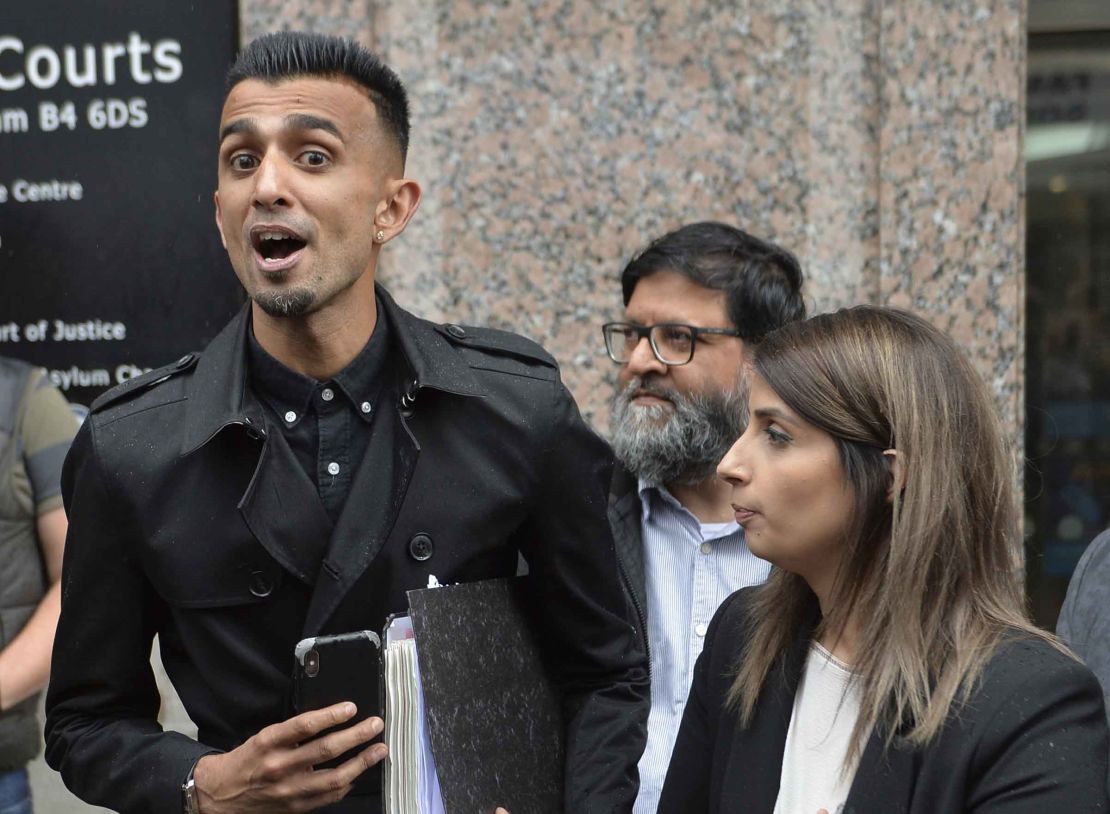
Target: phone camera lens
(311,663)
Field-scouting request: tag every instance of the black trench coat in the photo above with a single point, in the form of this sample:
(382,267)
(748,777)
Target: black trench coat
(191,520)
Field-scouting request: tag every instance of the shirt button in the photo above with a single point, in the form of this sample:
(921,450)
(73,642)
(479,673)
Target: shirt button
(333,468)
(365,407)
(706,548)
(327,394)
(700,629)
(290,417)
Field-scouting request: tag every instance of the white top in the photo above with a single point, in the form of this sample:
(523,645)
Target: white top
(825,711)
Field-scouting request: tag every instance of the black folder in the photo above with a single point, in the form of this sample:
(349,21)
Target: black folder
(493,716)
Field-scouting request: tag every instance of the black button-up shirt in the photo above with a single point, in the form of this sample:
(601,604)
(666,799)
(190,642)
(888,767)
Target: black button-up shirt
(326,424)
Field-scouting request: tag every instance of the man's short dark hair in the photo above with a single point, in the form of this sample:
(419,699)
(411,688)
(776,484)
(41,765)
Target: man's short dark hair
(762,282)
(292,54)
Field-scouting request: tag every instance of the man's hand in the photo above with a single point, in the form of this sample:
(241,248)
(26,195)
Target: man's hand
(272,772)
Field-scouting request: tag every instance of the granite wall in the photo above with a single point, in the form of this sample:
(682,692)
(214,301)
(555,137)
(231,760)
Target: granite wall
(878,140)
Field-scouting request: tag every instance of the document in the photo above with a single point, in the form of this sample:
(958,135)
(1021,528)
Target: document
(410,785)
(473,720)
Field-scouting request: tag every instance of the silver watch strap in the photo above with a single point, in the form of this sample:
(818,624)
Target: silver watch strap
(189,802)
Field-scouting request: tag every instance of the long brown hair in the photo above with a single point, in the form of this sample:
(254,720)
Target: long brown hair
(933,577)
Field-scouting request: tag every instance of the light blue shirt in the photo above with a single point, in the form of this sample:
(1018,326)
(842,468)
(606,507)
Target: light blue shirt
(689,569)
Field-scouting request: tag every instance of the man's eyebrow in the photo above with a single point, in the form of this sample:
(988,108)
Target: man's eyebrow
(306,121)
(246,126)
(294,121)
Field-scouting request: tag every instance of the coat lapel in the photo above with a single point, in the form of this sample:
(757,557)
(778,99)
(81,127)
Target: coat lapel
(284,512)
(217,390)
(280,504)
(884,780)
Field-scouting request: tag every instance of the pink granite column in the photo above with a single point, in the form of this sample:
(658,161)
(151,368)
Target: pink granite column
(952,178)
(878,140)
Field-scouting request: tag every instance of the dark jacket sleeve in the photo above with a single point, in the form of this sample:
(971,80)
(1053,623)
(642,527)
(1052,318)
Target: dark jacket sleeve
(601,666)
(102,731)
(1043,744)
(686,789)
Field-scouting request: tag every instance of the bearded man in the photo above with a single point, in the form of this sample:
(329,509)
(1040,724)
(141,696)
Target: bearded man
(694,299)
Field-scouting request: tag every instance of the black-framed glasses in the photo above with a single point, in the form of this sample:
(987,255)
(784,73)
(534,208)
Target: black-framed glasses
(671,342)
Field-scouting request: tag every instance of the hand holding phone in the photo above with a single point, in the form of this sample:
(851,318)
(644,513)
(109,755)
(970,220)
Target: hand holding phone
(335,669)
(255,777)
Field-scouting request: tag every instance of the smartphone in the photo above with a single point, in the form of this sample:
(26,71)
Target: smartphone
(344,667)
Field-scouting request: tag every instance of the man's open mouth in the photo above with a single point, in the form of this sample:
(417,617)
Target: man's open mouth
(275,244)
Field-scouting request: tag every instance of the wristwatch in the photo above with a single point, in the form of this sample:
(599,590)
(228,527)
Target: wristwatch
(189,802)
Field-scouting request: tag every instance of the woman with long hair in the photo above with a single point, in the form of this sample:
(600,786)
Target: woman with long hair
(888,665)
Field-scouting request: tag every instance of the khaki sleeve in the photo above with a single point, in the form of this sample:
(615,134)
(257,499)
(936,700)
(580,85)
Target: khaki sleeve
(47,428)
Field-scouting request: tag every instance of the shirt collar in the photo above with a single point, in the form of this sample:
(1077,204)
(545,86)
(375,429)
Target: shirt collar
(651,492)
(288,391)
(361,380)
(281,387)
(655,497)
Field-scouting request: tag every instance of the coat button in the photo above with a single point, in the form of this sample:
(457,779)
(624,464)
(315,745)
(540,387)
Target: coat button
(261,585)
(456,331)
(421,547)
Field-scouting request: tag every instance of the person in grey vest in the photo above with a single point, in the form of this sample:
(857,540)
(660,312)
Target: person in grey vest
(694,300)
(36,427)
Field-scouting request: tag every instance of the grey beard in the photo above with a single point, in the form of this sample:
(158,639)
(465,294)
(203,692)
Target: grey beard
(681,446)
(294,303)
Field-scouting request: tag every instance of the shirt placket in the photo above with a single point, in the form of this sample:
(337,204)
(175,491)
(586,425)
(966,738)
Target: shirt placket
(705,591)
(332,467)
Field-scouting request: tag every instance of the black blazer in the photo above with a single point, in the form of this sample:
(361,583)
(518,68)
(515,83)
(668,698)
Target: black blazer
(1031,740)
(192,521)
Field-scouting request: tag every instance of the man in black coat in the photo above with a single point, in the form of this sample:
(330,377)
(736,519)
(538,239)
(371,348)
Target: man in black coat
(326,453)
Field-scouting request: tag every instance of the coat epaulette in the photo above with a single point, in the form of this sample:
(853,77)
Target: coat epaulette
(139,384)
(502,343)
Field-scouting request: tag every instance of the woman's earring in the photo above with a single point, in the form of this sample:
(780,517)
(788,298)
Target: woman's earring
(380,236)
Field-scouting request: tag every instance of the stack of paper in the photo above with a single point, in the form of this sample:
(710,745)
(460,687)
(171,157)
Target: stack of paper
(410,784)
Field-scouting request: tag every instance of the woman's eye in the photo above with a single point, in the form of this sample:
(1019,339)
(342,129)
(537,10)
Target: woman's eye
(777,437)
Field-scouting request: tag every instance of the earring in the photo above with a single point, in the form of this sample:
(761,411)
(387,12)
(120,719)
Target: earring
(380,236)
